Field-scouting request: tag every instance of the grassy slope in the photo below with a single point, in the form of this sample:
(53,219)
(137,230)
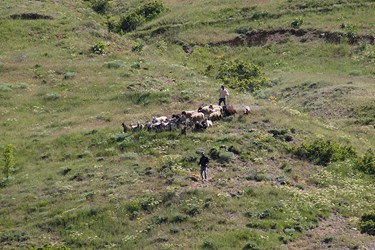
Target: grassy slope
(79,182)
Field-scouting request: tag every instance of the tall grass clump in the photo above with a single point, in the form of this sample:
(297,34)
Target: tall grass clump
(322,152)
(246,77)
(9,160)
(367,162)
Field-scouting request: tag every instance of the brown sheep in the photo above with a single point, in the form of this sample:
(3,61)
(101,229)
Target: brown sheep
(229,110)
(188,113)
(125,127)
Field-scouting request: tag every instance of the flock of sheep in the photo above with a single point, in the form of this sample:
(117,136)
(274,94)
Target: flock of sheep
(196,120)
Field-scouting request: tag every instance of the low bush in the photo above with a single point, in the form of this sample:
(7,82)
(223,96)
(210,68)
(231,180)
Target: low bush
(140,15)
(322,152)
(114,64)
(52,96)
(296,23)
(138,47)
(367,162)
(99,48)
(246,77)
(100,6)
(351,31)
(69,75)
(225,157)
(5,87)
(131,22)
(367,223)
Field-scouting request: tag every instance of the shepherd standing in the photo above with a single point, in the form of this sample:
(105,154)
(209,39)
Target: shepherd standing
(223,95)
(203,162)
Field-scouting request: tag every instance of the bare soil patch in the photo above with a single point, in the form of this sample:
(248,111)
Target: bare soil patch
(334,233)
(280,36)
(263,37)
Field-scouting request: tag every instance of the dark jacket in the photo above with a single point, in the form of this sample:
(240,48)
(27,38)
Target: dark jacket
(203,162)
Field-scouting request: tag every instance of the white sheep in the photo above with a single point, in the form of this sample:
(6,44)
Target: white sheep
(215,116)
(159,119)
(197,117)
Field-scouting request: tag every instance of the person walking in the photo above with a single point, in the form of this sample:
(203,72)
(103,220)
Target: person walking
(203,163)
(223,95)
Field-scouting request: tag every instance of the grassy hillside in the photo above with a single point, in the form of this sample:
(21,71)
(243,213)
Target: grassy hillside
(297,173)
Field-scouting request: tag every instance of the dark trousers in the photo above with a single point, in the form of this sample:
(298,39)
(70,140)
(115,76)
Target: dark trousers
(204,173)
(224,100)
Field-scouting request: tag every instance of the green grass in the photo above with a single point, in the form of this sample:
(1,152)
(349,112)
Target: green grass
(80,182)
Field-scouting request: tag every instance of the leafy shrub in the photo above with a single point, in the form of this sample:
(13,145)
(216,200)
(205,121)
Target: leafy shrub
(69,75)
(259,176)
(151,9)
(351,31)
(259,15)
(322,152)
(138,47)
(225,156)
(99,48)
(52,96)
(251,246)
(243,30)
(17,236)
(242,76)
(365,114)
(133,210)
(367,223)
(100,6)
(297,22)
(140,15)
(131,22)
(367,162)
(5,87)
(114,64)
(178,218)
(209,245)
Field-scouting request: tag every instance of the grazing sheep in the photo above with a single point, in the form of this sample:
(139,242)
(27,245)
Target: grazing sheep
(205,110)
(214,106)
(159,119)
(199,126)
(197,117)
(188,113)
(125,127)
(208,123)
(229,110)
(244,110)
(215,116)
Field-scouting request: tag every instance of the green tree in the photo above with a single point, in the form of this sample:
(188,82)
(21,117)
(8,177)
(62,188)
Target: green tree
(242,76)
